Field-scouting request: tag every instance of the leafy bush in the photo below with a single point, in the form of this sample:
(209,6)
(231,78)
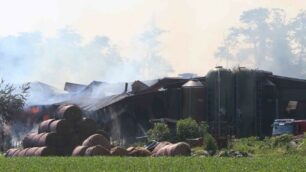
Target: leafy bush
(160,132)
(282,140)
(187,128)
(209,142)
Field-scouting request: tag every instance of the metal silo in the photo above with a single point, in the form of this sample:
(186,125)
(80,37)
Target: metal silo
(194,100)
(221,101)
(255,102)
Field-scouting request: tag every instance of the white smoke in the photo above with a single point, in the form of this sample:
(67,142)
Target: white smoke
(268,40)
(66,57)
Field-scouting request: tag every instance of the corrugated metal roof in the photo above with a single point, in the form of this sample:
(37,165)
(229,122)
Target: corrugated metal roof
(93,105)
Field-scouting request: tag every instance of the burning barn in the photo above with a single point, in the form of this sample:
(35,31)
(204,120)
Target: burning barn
(240,102)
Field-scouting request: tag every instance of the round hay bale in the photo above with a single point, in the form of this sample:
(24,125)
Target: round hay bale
(103,133)
(96,151)
(79,151)
(48,139)
(44,151)
(10,152)
(22,152)
(69,112)
(178,149)
(44,126)
(31,151)
(61,127)
(118,151)
(140,152)
(159,146)
(28,140)
(130,149)
(97,139)
(16,153)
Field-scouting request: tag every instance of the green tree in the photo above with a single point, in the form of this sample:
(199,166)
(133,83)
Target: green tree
(160,132)
(12,101)
(187,128)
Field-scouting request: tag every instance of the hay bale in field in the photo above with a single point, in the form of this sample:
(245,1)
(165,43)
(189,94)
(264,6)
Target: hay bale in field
(97,139)
(48,139)
(159,146)
(16,153)
(70,112)
(45,151)
(31,151)
(96,151)
(31,140)
(140,152)
(10,152)
(79,151)
(103,133)
(42,139)
(22,152)
(85,128)
(130,149)
(44,127)
(61,126)
(178,149)
(118,151)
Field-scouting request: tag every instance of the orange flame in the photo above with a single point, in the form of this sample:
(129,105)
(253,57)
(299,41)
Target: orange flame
(34,110)
(45,117)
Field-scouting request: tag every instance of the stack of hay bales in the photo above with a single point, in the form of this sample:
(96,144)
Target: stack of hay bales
(70,134)
(94,145)
(59,136)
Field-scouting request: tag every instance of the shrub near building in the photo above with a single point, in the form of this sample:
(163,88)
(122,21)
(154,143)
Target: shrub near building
(187,128)
(160,132)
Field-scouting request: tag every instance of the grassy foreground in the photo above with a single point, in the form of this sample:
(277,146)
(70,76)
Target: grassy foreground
(263,163)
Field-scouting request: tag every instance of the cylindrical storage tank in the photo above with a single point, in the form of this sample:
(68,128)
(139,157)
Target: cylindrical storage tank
(69,112)
(253,94)
(221,103)
(194,100)
(220,85)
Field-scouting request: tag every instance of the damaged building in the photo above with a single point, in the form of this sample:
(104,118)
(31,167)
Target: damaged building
(240,102)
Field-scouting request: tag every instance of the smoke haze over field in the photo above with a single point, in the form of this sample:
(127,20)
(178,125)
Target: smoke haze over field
(66,57)
(112,40)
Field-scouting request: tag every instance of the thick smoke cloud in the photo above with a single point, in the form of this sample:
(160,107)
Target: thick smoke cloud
(66,57)
(267,40)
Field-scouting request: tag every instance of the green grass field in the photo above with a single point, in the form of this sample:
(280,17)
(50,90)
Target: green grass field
(263,163)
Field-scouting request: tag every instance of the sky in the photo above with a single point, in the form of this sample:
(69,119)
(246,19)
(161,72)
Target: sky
(135,39)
